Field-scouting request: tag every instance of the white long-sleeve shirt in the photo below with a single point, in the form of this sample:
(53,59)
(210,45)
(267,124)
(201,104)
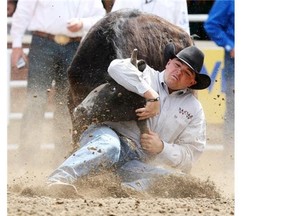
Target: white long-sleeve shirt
(181,123)
(52,16)
(175,11)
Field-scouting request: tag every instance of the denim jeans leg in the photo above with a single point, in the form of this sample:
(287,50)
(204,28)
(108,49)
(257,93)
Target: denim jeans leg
(39,80)
(229,76)
(139,175)
(100,149)
(132,169)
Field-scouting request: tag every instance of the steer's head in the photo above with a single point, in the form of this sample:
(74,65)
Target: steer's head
(108,102)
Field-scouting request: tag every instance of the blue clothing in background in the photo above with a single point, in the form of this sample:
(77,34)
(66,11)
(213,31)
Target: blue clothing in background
(220,23)
(220,28)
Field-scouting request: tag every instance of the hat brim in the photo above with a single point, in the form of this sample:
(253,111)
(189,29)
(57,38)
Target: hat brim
(203,82)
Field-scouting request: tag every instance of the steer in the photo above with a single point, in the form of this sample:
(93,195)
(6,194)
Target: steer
(111,102)
(116,36)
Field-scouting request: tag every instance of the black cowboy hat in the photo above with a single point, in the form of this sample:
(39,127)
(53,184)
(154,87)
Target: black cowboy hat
(193,58)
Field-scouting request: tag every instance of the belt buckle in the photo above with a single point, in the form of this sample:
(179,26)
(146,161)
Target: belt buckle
(61,39)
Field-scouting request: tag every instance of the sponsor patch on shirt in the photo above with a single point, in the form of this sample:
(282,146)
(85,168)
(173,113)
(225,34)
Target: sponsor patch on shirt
(185,113)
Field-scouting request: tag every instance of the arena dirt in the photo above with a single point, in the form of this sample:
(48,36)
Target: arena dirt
(208,191)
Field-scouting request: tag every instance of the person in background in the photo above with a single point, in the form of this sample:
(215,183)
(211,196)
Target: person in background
(175,11)
(220,28)
(57,28)
(176,120)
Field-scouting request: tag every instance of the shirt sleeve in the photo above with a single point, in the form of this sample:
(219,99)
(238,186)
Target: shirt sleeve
(187,148)
(218,25)
(20,21)
(100,12)
(127,75)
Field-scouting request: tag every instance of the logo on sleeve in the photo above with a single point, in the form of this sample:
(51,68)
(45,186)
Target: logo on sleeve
(185,113)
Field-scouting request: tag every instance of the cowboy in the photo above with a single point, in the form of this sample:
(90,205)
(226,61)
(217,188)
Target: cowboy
(176,120)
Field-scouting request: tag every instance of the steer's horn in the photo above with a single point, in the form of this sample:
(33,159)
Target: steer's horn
(134,57)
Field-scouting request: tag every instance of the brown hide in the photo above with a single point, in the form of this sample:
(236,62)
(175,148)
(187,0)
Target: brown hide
(116,36)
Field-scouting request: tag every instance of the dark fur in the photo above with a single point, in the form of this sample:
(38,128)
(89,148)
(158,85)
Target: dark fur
(115,36)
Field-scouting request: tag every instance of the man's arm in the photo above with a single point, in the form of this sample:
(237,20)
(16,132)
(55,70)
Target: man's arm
(20,21)
(127,75)
(216,24)
(89,21)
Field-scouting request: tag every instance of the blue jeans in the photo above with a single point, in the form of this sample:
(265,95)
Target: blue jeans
(48,61)
(102,148)
(229,76)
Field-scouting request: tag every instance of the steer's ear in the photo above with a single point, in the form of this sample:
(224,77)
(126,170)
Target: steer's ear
(141,64)
(169,52)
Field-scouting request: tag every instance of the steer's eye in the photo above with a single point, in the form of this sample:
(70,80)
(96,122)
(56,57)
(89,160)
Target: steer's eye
(113,89)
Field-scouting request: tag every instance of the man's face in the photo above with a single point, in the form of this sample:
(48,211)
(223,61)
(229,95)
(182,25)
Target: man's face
(178,75)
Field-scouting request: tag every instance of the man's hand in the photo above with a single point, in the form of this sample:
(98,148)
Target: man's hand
(151,143)
(16,54)
(151,109)
(75,25)
(232,55)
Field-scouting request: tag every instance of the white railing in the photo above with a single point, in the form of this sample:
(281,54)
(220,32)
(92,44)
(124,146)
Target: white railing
(197,17)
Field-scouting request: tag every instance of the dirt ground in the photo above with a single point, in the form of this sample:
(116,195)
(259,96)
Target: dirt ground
(208,191)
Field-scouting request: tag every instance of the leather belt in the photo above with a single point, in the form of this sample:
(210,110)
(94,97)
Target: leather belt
(59,39)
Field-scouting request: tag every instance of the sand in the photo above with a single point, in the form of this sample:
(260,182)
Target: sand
(208,191)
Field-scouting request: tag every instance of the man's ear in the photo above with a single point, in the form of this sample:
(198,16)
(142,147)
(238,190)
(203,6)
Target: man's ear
(193,82)
(169,61)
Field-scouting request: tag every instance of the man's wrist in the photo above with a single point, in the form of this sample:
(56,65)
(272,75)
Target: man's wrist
(153,99)
(162,147)
(151,95)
